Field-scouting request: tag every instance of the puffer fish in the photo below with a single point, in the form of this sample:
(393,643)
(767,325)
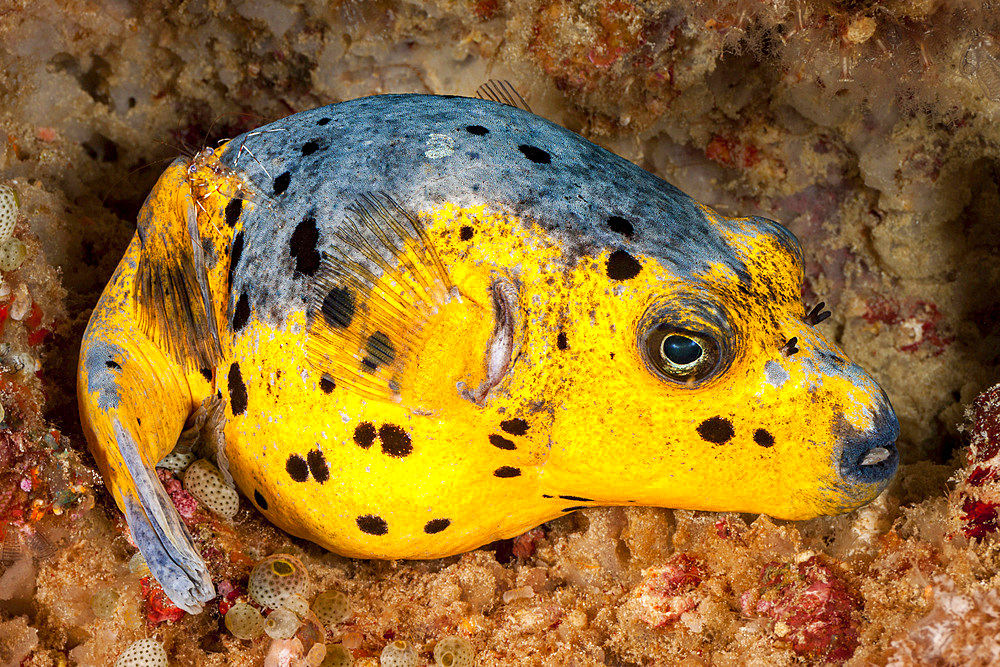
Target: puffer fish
(439,321)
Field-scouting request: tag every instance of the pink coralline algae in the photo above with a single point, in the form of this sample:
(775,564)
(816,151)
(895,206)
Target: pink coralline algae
(667,592)
(184,502)
(810,607)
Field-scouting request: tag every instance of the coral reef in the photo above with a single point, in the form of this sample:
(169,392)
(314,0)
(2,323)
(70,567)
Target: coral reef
(868,128)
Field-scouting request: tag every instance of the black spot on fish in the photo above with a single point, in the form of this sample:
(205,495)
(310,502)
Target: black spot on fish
(620,225)
(207,374)
(309,147)
(501,442)
(561,341)
(323,121)
(578,499)
(235,252)
(516,426)
(303,247)
(233,210)
(574,508)
(380,351)
(327,384)
(477,130)
(395,441)
(545,495)
(297,468)
(259,499)
(242,314)
(465,233)
(716,429)
(237,390)
(338,308)
(436,526)
(112,364)
(281,183)
(364,434)
(623,266)
(372,524)
(318,466)
(507,471)
(763,438)
(536,155)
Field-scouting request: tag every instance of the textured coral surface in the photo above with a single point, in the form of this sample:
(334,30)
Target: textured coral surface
(868,128)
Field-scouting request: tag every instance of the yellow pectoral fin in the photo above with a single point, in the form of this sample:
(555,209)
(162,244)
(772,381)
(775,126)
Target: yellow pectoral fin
(372,300)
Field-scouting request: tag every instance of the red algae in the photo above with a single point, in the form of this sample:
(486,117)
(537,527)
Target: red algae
(810,607)
(159,608)
(978,487)
(666,591)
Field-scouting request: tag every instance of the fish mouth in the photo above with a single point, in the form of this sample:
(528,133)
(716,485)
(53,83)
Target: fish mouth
(500,351)
(871,457)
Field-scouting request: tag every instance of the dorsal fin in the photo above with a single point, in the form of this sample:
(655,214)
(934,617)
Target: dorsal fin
(372,295)
(503,92)
(171,298)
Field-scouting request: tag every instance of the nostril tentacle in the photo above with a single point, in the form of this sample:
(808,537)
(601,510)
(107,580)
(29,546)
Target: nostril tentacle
(788,349)
(817,314)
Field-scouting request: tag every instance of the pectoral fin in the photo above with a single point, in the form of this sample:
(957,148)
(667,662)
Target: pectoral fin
(372,297)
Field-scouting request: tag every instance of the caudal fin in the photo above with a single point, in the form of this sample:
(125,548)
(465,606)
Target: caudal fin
(133,403)
(159,533)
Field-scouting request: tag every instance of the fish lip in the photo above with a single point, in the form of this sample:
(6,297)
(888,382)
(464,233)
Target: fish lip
(871,457)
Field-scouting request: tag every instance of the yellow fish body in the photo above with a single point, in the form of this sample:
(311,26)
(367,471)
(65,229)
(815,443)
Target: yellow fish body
(437,321)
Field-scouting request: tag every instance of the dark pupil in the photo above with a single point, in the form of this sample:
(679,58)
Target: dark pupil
(681,350)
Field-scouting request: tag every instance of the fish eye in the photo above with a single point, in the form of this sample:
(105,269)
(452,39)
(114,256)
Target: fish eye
(679,354)
(681,351)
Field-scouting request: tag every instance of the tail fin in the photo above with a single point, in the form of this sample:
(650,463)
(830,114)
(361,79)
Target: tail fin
(134,399)
(159,533)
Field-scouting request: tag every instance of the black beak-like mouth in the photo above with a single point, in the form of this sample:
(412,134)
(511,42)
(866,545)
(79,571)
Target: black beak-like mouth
(871,457)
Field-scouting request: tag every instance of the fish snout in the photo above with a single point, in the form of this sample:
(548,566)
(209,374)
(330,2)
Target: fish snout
(870,456)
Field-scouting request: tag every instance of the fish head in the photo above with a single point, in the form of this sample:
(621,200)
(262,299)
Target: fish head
(705,384)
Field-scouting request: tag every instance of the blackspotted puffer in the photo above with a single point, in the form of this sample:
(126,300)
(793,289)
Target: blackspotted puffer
(435,322)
